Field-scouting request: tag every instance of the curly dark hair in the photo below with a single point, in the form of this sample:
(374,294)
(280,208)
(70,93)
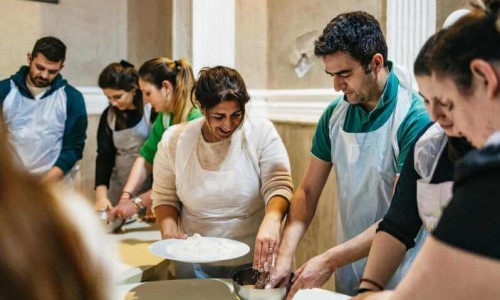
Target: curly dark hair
(357,33)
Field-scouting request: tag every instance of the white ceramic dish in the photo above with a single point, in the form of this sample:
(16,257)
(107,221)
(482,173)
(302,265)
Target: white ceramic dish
(174,249)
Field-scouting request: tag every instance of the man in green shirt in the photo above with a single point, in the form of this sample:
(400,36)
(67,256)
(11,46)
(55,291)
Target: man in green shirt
(365,135)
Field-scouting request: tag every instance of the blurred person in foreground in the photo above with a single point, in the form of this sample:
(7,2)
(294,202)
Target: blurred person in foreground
(52,242)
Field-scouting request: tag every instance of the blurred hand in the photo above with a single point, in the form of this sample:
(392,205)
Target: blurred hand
(313,274)
(124,210)
(266,244)
(103,204)
(173,235)
(149,217)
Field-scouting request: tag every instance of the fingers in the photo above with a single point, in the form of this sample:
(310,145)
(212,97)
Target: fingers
(298,272)
(256,255)
(264,255)
(174,235)
(294,289)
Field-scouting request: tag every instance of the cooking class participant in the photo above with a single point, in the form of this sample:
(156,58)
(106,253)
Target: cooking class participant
(365,135)
(424,187)
(461,259)
(166,84)
(226,175)
(45,115)
(123,127)
(52,245)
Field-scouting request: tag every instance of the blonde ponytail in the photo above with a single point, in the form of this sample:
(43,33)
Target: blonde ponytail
(179,74)
(184,82)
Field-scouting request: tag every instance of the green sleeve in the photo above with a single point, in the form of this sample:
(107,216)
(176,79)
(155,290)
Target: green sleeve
(194,114)
(148,150)
(414,122)
(321,143)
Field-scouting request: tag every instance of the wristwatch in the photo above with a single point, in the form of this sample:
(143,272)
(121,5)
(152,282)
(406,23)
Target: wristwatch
(138,202)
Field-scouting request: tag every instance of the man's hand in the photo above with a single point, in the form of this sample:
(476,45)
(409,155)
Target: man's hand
(280,273)
(313,274)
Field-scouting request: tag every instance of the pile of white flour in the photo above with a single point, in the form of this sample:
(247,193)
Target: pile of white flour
(197,247)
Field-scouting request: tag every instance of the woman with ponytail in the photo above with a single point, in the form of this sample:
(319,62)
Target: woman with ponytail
(123,127)
(166,84)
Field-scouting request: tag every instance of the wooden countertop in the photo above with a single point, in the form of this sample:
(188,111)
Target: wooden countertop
(138,264)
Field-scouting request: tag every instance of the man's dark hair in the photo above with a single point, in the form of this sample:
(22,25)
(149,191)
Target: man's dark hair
(357,33)
(51,47)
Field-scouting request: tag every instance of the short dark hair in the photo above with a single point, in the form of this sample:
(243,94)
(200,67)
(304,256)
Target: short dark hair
(476,35)
(357,33)
(51,47)
(219,84)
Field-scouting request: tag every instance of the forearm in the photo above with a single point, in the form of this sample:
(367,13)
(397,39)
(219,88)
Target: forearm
(353,249)
(386,254)
(101,192)
(299,218)
(140,171)
(167,217)
(53,175)
(276,208)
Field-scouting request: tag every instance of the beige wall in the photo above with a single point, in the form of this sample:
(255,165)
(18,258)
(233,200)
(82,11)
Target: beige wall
(293,25)
(86,178)
(149,30)
(96,33)
(446,7)
(252,42)
(93,30)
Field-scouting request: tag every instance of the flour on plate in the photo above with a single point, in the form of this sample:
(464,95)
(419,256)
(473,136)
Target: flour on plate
(198,247)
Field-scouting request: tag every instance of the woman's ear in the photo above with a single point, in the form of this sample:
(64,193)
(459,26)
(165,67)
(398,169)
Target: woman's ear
(168,86)
(485,74)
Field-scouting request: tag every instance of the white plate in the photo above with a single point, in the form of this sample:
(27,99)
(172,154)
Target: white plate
(231,249)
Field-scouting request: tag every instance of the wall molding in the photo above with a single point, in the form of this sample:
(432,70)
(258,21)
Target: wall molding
(302,105)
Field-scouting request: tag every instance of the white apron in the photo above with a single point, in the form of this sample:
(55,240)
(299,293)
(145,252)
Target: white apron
(225,203)
(431,198)
(366,167)
(127,143)
(36,129)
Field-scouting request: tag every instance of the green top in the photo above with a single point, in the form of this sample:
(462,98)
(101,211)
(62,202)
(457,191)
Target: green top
(148,150)
(357,120)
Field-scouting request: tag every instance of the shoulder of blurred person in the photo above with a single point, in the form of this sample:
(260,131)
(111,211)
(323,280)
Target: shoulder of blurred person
(52,246)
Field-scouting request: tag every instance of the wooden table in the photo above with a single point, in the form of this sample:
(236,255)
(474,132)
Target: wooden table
(206,289)
(138,264)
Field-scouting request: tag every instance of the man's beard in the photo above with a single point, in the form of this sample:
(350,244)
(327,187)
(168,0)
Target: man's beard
(39,82)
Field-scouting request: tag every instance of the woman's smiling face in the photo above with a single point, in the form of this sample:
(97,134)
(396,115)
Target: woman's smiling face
(222,120)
